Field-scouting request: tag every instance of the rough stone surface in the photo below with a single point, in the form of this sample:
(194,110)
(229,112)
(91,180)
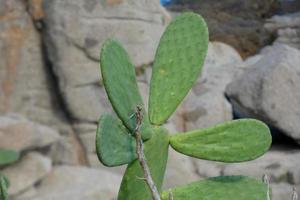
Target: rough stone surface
(269,89)
(286,28)
(280,166)
(25,84)
(75,31)
(206,104)
(207,168)
(78,183)
(180,170)
(21,134)
(27,172)
(88,141)
(95,163)
(67,150)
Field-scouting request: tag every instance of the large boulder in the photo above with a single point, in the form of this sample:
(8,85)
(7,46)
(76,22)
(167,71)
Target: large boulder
(280,165)
(269,89)
(25,82)
(75,31)
(286,28)
(77,183)
(20,134)
(31,169)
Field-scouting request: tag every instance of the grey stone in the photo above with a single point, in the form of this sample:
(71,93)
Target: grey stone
(180,170)
(279,165)
(89,141)
(207,168)
(75,32)
(78,183)
(269,89)
(32,168)
(18,133)
(206,104)
(95,163)
(286,28)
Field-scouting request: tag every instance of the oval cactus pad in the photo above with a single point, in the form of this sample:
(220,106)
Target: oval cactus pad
(133,186)
(220,188)
(233,141)
(121,87)
(8,156)
(178,63)
(114,145)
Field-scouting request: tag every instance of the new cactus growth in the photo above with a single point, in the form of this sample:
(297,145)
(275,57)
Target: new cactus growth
(178,62)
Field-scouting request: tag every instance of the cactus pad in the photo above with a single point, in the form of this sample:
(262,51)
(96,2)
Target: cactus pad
(114,145)
(133,186)
(178,63)
(234,141)
(223,187)
(8,156)
(119,80)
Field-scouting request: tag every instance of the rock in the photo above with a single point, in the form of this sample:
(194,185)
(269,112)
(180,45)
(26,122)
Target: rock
(286,28)
(180,170)
(205,110)
(207,168)
(95,163)
(78,183)
(89,141)
(26,195)
(144,90)
(206,104)
(280,166)
(26,84)
(83,127)
(75,31)
(269,90)
(21,134)
(67,150)
(238,23)
(32,168)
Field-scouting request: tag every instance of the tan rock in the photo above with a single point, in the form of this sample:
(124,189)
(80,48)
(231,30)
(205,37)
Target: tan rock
(32,168)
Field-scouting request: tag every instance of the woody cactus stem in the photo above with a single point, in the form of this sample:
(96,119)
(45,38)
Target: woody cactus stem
(141,156)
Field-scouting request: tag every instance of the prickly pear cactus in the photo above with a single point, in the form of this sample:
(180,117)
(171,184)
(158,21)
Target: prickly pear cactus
(178,62)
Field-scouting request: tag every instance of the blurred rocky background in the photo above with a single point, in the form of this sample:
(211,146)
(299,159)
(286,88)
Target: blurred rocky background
(51,94)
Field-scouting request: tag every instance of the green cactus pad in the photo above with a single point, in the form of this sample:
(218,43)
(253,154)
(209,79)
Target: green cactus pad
(3,187)
(233,141)
(178,63)
(220,188)
(8,156)
(133,187)
(114,145)
(119,80)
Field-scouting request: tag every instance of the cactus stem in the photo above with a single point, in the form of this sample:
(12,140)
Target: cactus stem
(141,156)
